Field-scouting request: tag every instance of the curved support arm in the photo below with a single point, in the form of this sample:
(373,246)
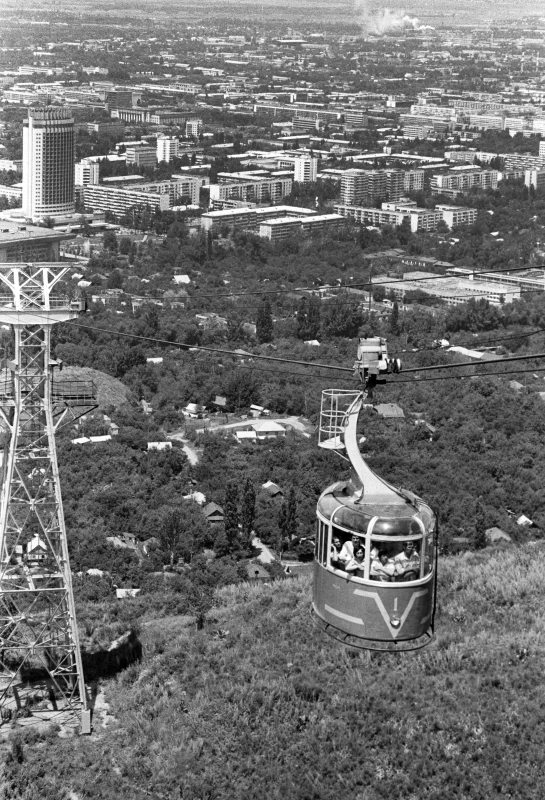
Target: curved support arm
(373,486)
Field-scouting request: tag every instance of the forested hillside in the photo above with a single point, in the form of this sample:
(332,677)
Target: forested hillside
(259,702)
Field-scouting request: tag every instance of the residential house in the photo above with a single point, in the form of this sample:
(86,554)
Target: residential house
(214,513)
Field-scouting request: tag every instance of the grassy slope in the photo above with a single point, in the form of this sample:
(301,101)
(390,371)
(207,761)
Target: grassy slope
(276,709)
(110,390)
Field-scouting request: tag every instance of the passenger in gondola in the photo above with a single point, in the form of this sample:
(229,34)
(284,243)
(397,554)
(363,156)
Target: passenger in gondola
(347,551)
(355,565)
(382,568)
(334,558)
(407,563)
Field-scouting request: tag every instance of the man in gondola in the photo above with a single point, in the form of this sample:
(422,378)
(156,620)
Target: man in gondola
(407,563)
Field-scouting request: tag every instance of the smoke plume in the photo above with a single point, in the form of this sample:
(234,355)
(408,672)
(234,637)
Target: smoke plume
(378,21)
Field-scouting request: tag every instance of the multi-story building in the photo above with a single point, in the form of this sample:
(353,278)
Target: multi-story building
(28,243)
(457,215)
(306,169)
(13,192)
(254,191)
(86,173)
(486,122)
(167,148)
(413,180)
(193,128)
(143,155)
(542,149)
(251,218)
(11,165)
(535,178)
(281,227)
(119,201)
(461,179)
(359,186)
(48,163)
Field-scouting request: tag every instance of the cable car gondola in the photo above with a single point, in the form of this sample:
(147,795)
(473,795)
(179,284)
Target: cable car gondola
(384,597)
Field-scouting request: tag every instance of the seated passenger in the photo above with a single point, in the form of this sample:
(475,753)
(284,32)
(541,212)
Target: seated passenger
(335,552)
(407,563)
(355,565)
(347,552)
(382,569)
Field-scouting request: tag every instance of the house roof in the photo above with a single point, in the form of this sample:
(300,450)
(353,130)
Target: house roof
(246,434)
(389,411)
(267,426)
(497,535)
(212,509)
(272,488)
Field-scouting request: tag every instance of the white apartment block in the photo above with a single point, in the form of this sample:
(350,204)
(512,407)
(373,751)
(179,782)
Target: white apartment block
(167,148)
(11,165)
(457,215)
(413,180)
(280,228)
(119,201)
(485,122)
(141,155)
(535,178)
(193,128)
(306,169)
(542,149)
(255,191)
(461,179)
(86,173)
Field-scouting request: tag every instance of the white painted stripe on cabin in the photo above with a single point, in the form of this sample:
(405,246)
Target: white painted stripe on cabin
(347,617)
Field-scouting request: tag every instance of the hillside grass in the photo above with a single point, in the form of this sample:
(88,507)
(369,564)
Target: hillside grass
(262,704)
(110,390)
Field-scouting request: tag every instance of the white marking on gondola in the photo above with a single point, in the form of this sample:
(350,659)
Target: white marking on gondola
(425,619)
(395,605)
(342,615)
(384,613)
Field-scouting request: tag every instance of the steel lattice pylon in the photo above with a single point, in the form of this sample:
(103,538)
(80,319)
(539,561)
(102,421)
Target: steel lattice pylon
(40,661)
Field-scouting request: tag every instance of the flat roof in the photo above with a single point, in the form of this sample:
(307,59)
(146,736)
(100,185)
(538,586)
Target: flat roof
(20,231)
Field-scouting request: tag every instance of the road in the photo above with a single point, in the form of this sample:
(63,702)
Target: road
(266,555)
(189,450)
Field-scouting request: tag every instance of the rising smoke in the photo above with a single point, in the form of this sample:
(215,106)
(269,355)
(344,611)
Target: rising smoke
(378,21)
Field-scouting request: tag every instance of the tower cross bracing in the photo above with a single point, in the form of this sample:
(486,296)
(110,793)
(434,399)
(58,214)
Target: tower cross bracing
(41,670)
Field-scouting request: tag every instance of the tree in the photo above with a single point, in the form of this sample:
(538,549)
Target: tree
(230,519)
(480,527)
(287,518)
(171,533)
(308,318)
(394,319)
(247,515)
(264,322)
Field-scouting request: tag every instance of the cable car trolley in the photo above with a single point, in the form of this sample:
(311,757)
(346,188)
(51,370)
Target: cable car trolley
(375,557)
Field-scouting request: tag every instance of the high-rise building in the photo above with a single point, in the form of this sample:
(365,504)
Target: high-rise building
(193,128)
(48,163)
(167,148)
(306,168)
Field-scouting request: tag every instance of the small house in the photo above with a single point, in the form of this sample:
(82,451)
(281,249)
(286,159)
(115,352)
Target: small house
(121,594)
(272,488)
(497,536)
(194,411)
(159,445)
(36,550)
(389,411)
(214,513)
(268,430)
(256,572)
(246,436)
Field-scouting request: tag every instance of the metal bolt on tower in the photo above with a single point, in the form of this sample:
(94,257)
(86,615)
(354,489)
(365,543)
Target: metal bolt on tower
(41,671)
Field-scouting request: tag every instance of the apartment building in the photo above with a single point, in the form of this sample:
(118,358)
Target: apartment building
(86,173)
(305,169)
(457,215)
(413,180)
(282,227)
(461,179)
(119,201)
(167,148)
(535,179)
(253,191)
(193,128)
(143,155)
(251,218)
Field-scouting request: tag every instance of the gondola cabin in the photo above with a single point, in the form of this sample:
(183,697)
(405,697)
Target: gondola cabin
(374,569)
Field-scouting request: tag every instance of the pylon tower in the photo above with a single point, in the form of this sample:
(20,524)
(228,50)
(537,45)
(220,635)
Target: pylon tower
(41,671)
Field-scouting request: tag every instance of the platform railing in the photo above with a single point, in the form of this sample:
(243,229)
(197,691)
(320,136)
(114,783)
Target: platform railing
(334,417)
